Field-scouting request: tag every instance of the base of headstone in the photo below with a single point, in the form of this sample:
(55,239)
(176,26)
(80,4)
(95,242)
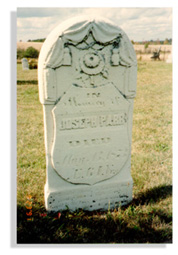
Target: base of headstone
(105,195)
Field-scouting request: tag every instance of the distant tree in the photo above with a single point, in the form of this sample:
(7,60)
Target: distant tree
(166,41)
(20,53)
(132,41)
(31,53)
(29,40)
(39,40)
(146,45)
(170,41)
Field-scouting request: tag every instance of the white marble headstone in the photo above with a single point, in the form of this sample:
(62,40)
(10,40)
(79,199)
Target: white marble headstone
(87,84)
(25,65)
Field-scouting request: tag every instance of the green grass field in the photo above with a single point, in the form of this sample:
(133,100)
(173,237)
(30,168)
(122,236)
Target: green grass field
(148,218)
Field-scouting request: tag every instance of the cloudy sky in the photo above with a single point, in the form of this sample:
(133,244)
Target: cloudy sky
(139,23)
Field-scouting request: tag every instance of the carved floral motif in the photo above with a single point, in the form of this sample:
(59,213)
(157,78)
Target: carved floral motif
(92,63)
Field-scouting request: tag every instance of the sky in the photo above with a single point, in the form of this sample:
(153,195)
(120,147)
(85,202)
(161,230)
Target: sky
(140,24)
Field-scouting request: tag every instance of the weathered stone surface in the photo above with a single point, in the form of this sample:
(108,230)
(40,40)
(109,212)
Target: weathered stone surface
(25,65)
(87,83)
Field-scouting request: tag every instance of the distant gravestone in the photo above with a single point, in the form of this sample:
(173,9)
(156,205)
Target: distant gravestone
(87,83)
(25,65)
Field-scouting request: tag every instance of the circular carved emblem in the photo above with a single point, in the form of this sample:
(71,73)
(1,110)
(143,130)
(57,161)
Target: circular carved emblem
(92,63)
(91,60)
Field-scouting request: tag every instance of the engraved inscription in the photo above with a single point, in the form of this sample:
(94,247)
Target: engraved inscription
(82,167)
(99,156)
(93,95)
(92,171)
(91,141)
(92,99)
(93,121)
(72,101)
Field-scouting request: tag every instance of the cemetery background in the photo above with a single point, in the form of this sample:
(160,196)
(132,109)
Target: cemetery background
(144,50)
(148,218)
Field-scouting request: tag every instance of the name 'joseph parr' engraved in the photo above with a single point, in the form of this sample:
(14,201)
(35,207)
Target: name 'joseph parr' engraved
(93,121)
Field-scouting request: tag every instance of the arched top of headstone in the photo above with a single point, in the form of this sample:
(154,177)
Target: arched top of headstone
(24,59)
(76,30)
(82,49)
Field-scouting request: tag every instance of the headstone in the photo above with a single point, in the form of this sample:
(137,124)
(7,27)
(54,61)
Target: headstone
(25,65)
(87,84)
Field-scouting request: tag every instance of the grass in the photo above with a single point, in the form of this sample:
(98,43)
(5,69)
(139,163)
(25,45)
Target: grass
(148,218)
(26,76)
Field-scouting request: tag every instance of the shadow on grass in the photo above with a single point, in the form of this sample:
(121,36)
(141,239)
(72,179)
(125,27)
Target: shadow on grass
(28,82)
(153,195)
(125,226)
